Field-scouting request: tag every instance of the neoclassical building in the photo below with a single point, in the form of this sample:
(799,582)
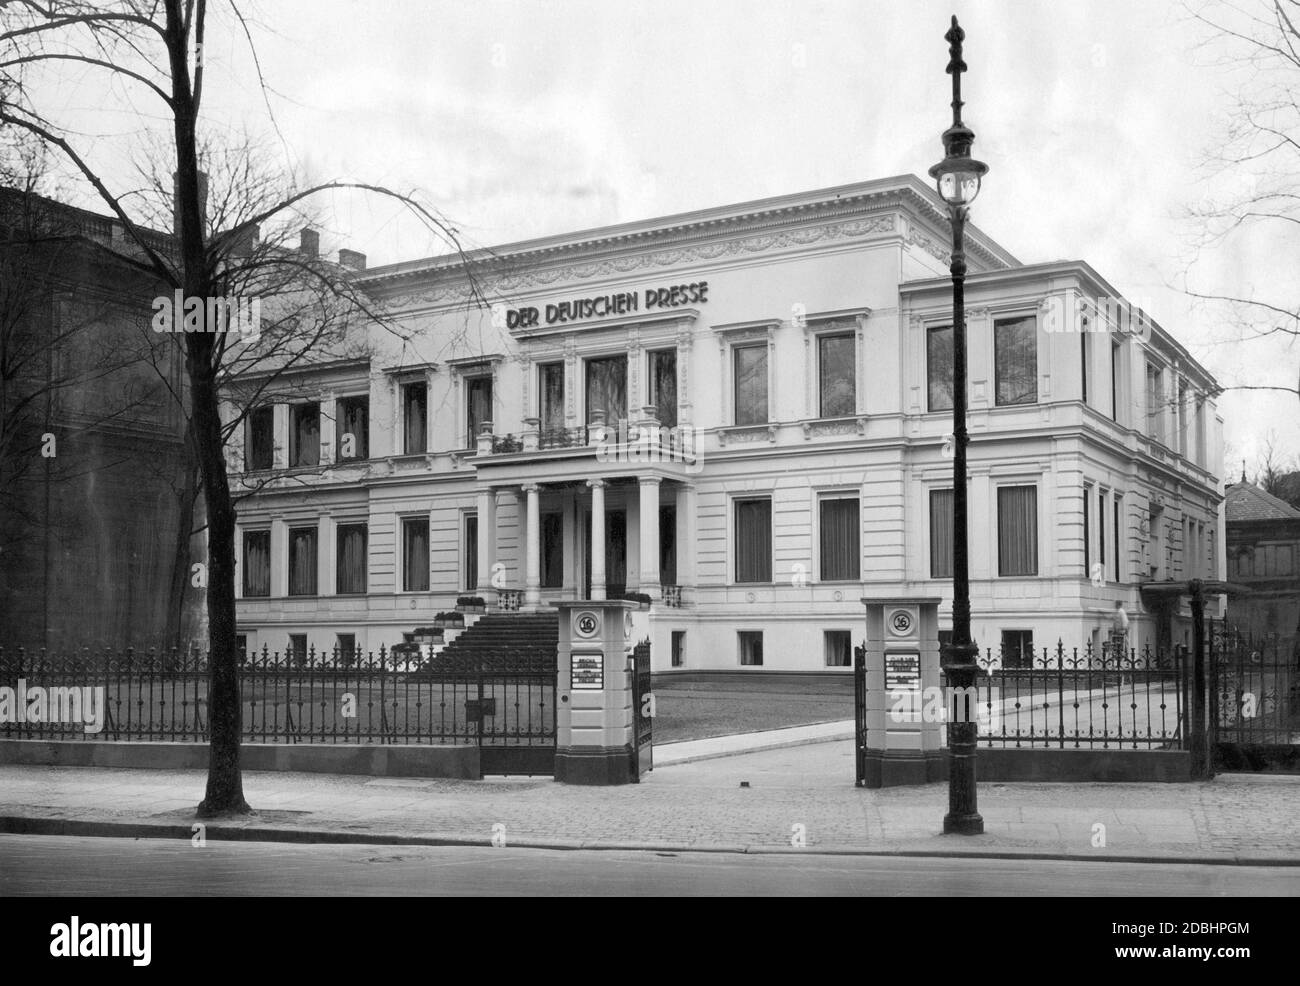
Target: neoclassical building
(743,413)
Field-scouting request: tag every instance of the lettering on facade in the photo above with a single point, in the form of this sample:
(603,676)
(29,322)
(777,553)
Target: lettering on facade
(602,306)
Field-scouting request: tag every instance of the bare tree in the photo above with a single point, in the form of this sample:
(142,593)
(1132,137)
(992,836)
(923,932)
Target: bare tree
(1255,165)
(154,48)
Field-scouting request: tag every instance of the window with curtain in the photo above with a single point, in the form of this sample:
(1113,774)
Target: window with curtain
(838,647)
(1114,381)
(297,650)
(550,389)
(257,563)
(415,554)
(351,559)
(478,407)
(668,545)
(839,539)
(1154,418)
(304,435)
(750,387)
(1087,532)
(607,388)
(938,367)
(302,561)
(1018,530)
(941,534)
(663,385)
(552,551)
(1015,358)
(352,428)
(471,551)
(1085,351)
(754,540)
(750,643)
(1118,542)
(346,648)
(415,418)
(1017,648)
(836,373)
(260,441)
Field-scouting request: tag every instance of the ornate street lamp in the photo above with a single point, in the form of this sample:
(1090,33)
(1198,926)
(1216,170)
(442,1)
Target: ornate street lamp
(958,178)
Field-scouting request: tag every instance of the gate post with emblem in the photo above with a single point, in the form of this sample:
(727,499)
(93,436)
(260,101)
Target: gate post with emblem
(902,703)
(594,714)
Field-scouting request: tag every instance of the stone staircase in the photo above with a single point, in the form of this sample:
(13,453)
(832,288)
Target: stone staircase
(501,642)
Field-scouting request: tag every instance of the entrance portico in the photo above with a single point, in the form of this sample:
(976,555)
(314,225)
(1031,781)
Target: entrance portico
(587,529)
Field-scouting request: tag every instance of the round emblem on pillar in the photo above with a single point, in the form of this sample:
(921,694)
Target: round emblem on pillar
(586,624)
(901,622)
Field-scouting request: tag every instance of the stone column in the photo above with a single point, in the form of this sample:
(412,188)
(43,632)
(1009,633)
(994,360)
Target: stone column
(533,554)
(326,549)
(686,537)
(487,540)
(597,538)
(279,557)
(649,527)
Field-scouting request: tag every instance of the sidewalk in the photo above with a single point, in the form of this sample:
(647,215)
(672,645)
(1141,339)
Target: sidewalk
(689,804)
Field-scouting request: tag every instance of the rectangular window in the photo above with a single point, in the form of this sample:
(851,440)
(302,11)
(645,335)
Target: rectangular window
(478,407)
(840,532)
(662,377)
(1182,418)
(297,650)
(938,367)
(415,418)
(750,643)
(754,540)
(941,534)
(471,552)
(1017,648)
(552,551)
(1018,530)
(257,563)
(302,561)
(352,427)
(304,435)
(260,441)
(607,388)
(838,648)
(1015,357)
(1101,529)
(1153,403)
(351,577)
(550,397)
(668,545)
(1087,538)
(345,649)
(836,362)
(679,648)
(750,387)
(415,554)
(1118,542)
(1114,381)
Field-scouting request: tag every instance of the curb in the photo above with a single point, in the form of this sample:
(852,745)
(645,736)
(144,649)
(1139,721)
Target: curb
(776,743)
(23,825)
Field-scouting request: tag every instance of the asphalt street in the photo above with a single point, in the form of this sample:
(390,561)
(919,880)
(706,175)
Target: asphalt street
(65,865)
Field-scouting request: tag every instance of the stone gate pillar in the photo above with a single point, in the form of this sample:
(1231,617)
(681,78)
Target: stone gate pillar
(904,704)
(593,712)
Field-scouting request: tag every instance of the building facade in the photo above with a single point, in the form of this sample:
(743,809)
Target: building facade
(1263,554)
(754,404)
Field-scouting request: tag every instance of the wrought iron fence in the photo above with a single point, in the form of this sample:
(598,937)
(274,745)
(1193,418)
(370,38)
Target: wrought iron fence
(390,697)
(1074,699)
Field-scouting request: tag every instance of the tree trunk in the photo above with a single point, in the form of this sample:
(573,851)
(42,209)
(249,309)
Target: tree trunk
(225,791)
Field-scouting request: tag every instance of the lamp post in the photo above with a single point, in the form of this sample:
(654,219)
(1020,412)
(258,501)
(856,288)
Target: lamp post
(958,179)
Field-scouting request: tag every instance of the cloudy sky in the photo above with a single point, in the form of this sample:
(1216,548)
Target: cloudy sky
(519,119)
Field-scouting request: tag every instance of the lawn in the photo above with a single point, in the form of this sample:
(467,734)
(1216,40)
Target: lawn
(689,707)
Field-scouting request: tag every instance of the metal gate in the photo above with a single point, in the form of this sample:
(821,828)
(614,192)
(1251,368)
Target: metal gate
(511,705)
(643,711)
(1254,700)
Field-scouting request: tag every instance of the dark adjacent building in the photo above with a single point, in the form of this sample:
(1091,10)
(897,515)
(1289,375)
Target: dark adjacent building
(1263,549)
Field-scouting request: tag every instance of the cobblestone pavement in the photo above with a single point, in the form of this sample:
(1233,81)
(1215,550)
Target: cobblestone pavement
(771,800)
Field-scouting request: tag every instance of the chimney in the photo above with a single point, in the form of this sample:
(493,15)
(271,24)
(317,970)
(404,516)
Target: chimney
(247,242)
(352,259)
(309,243)
(176,199)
